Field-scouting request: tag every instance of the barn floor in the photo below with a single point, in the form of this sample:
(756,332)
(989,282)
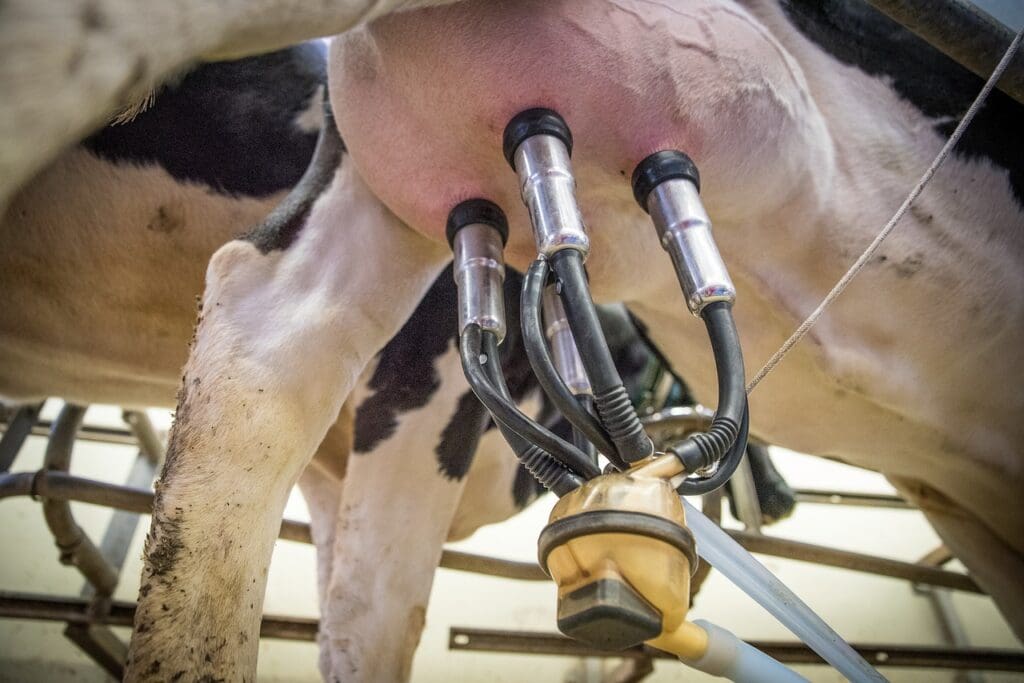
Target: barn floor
(861,607)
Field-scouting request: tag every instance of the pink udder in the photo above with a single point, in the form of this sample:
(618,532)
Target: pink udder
(422,98)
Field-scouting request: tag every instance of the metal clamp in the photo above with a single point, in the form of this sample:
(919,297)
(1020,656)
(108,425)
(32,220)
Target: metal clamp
(538,144)
(667,185)
(563,346)
(477,231)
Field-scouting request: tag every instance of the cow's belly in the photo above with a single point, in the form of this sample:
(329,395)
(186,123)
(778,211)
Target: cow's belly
(422,98)
(100,288)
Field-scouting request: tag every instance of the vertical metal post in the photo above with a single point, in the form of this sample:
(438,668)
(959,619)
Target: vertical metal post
(945,612)
(17,430)
(744,493)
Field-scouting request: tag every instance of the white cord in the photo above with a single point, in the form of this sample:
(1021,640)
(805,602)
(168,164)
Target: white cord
(859,264)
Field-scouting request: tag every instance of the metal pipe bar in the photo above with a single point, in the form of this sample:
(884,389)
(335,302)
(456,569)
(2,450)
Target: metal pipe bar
(120,530)
(492,566)
(111,435)
(76,548)
(962,32)
(858,562)
(101,645)
(668,424)
(98,641)
(937,556)
(916,656)
(952,628)
(76,611)
(874,500)
(73,610)
(15,433)
(61,486)
(58,485)
(145,435)
(945,612)
(744,494)
(630,670)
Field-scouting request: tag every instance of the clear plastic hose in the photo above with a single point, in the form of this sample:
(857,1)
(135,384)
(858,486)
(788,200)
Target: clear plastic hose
(729,657)
(750,576)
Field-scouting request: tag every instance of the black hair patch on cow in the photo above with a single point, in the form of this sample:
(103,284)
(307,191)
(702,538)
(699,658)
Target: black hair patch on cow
(280,228)
(228,125)
(858,35)
(461,436)
(405,377)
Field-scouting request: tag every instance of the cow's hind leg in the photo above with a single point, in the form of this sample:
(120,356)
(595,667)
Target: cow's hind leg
(400,492)
(290,316)
(320,484)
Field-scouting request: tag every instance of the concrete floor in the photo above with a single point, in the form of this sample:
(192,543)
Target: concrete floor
(860,607)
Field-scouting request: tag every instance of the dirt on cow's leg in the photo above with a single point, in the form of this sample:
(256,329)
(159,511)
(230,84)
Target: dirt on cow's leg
(283,333)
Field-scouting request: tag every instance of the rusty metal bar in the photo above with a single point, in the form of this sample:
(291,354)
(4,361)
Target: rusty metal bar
(631,670)
(73,610)
(744,495)
(962,32)
(917,656)
(101,645)
(61,486)
(945,612)
(937,556)
(492,566)
(874,500)
(858,562)
(57,485)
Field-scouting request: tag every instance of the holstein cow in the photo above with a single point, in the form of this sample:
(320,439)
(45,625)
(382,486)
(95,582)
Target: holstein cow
(809,122)
(104,255)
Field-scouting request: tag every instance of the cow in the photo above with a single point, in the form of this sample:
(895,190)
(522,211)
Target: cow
(809,122)
(889,387)
(104,256)
(105,253)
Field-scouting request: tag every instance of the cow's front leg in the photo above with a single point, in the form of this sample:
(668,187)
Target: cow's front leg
(289,319)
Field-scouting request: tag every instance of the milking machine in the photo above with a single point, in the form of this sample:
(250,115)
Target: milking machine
(617,544)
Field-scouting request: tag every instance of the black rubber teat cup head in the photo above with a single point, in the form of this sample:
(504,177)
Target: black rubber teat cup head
(659,167)
(526,124)
(474,211)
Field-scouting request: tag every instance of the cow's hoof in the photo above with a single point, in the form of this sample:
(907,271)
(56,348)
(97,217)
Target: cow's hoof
(776,498)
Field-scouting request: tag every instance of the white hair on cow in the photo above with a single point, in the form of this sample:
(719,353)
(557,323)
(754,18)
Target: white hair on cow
(128,114)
